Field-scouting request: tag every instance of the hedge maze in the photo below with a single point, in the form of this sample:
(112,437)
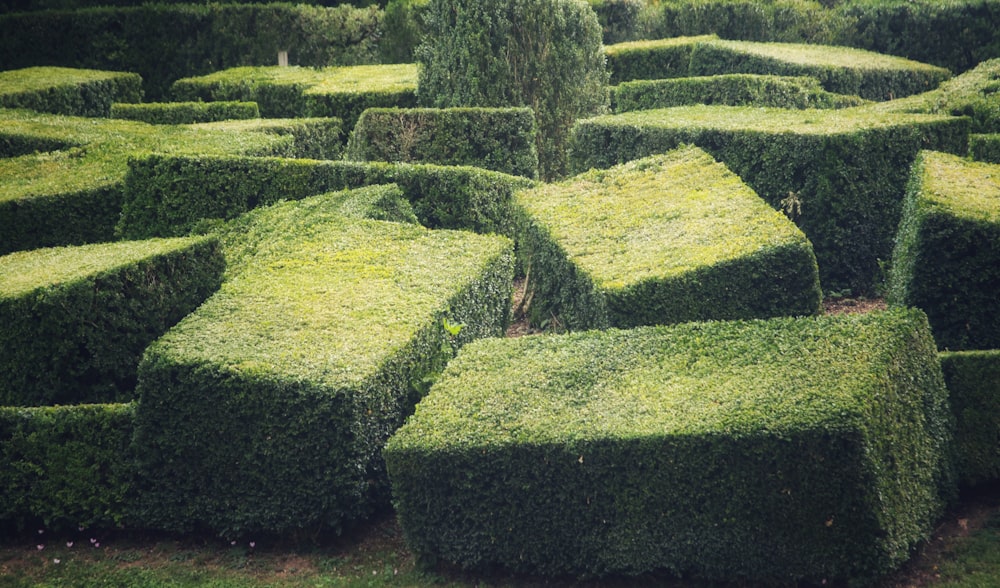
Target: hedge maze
(273,299)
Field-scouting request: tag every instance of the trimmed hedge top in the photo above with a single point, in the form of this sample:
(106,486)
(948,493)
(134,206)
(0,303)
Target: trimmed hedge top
(830,56)
(61,90)
(366,78)
(35,79)
(967,189)
(657,217)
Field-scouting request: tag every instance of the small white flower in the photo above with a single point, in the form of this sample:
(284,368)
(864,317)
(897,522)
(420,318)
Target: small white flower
(40,547)
(55,560)
(69,544)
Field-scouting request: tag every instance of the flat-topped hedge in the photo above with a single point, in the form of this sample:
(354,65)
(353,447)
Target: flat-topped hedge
(985,147)
(74,195)
(973,379)
(947,255)
(652,59)
(728,90)
(840,174)
(343,92)
(180,113)
(665,239)
(773,450)
(265,410)
(77,319)
(66,467)
(74,92)
(843,70)
(170,195)
(500,139)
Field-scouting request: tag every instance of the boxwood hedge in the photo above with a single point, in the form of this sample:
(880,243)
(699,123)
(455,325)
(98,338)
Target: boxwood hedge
(265,410)
(179,113)
(77,319)
(500,139)
(773,450)
(947,255)
(973,379)
(665,239)
(985,147)
(840,174)
(74,92)
(652,59)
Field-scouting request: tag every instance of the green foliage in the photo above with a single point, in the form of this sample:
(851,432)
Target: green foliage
(973,379)
(179,113)
(265,410)
(170,195)
(947,255)
(144,39)
(672,448)
(839,69)
(544,54)
(661,240)
(750,20)
(652,60)
(77,319)
(65,467)
(729,90)
(619,19)
(402,30)
(847,169)
(74,92)
(500,139)
(985,148)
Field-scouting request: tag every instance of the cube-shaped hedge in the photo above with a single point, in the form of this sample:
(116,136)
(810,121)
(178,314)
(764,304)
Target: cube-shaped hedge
(839,174)
(666,239)
(500,139)
(729,90)
(77,319)
(652,59)
(180,113)
(763,450)
(947,255)
(265,410)
(985,147)
(73,92)
(843,70)
(973,380)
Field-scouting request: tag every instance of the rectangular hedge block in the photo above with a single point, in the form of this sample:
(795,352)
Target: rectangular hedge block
(947,256)
(72,92)
(179,113)
(729,90)
(652,60)
(348,91)
(843,70)
(66,467)
(77,319)
(764,451)
(666,239)
(265,410)
(839,174)
(973,379)
(985,148)
(500,139)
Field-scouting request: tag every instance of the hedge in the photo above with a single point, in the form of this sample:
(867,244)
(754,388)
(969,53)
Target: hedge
(619,19)
(74,195)
(947,255)
(839,69)
(288,92)
(665,239)
(75,92)
(729,90)
(749,20)
(985,147)
(652,59)
(169,195)
(813,448)
(840,174)
(973,379)
(144,39)
(77,319)
(265,410)
(65,467)
(500,139)
(179,113)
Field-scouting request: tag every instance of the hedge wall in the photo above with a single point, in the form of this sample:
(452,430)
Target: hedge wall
(750,20)
(179,113)
(840,174)
(947,255)
(265,409)
(774,450)
(839,69)
(145,39)
(973,379)
(77,319)
(500,139)
(665,239)
(65,467)
(985,148)
(171,195)
(74,92)
(652,60)
(730,90)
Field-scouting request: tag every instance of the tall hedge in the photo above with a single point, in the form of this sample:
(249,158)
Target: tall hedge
(545,54)
(164,42)
(973,379)
(74,92)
